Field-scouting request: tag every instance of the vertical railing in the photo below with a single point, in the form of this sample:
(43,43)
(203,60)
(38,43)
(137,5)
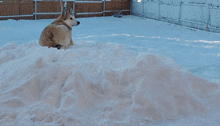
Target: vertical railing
(209,17)
(158,16)
(74,7)
(61,5)
(35,5)
(103,8)
(180,13)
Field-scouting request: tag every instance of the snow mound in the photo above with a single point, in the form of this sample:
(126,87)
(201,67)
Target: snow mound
(93,84)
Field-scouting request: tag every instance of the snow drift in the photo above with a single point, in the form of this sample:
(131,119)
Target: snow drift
(96,84)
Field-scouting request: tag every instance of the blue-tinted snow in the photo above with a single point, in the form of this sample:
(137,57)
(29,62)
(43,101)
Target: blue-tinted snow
(121,71)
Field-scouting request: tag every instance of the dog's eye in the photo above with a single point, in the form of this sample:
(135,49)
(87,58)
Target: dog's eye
(71,18)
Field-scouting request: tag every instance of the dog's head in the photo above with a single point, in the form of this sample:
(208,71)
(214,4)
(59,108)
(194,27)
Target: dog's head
(69,17)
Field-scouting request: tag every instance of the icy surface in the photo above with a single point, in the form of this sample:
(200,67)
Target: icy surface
(111,76)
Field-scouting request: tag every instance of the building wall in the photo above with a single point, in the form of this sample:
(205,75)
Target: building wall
(200,14)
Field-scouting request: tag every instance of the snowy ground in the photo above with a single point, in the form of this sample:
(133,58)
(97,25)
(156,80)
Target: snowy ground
(121,71)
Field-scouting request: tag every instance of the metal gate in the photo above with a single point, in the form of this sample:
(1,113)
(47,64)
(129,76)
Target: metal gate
(16,9)
(41,9)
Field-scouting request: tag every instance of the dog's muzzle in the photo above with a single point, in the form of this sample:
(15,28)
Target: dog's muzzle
(78,22)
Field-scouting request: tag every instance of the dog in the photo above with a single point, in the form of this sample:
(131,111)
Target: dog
(58,33)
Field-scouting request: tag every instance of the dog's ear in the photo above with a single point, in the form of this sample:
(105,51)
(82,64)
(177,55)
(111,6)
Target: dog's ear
(71,10)
(64,13)
(64,9)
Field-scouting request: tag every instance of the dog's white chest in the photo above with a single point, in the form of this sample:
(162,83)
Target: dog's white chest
(67,41)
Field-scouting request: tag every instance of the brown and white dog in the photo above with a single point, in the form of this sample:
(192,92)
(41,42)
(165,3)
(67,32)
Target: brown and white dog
(58,33)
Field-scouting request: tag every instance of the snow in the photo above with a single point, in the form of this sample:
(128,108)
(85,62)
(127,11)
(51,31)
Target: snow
(121,71)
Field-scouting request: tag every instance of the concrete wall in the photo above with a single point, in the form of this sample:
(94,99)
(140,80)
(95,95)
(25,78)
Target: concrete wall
(200,14)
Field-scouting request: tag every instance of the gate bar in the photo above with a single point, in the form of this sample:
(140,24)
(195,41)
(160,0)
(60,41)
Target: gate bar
(103,10)
(88,1)
(48,13)
(16,16)
(74,7)
(114,10)
(35,9)
(89,13)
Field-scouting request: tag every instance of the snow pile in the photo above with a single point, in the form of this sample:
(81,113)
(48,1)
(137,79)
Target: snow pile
(95,84)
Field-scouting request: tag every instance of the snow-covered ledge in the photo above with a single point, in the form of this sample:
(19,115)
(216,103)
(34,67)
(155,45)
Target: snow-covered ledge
(200,14)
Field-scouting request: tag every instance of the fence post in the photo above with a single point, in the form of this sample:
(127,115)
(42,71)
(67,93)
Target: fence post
(103,12)
(61,5)
(143,9)
(35,9)
(74,7)
(180,13)
(130,6)
(209,17)
(159,10)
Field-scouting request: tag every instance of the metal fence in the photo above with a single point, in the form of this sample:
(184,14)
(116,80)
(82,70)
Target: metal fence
(204,16)
(41,9)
